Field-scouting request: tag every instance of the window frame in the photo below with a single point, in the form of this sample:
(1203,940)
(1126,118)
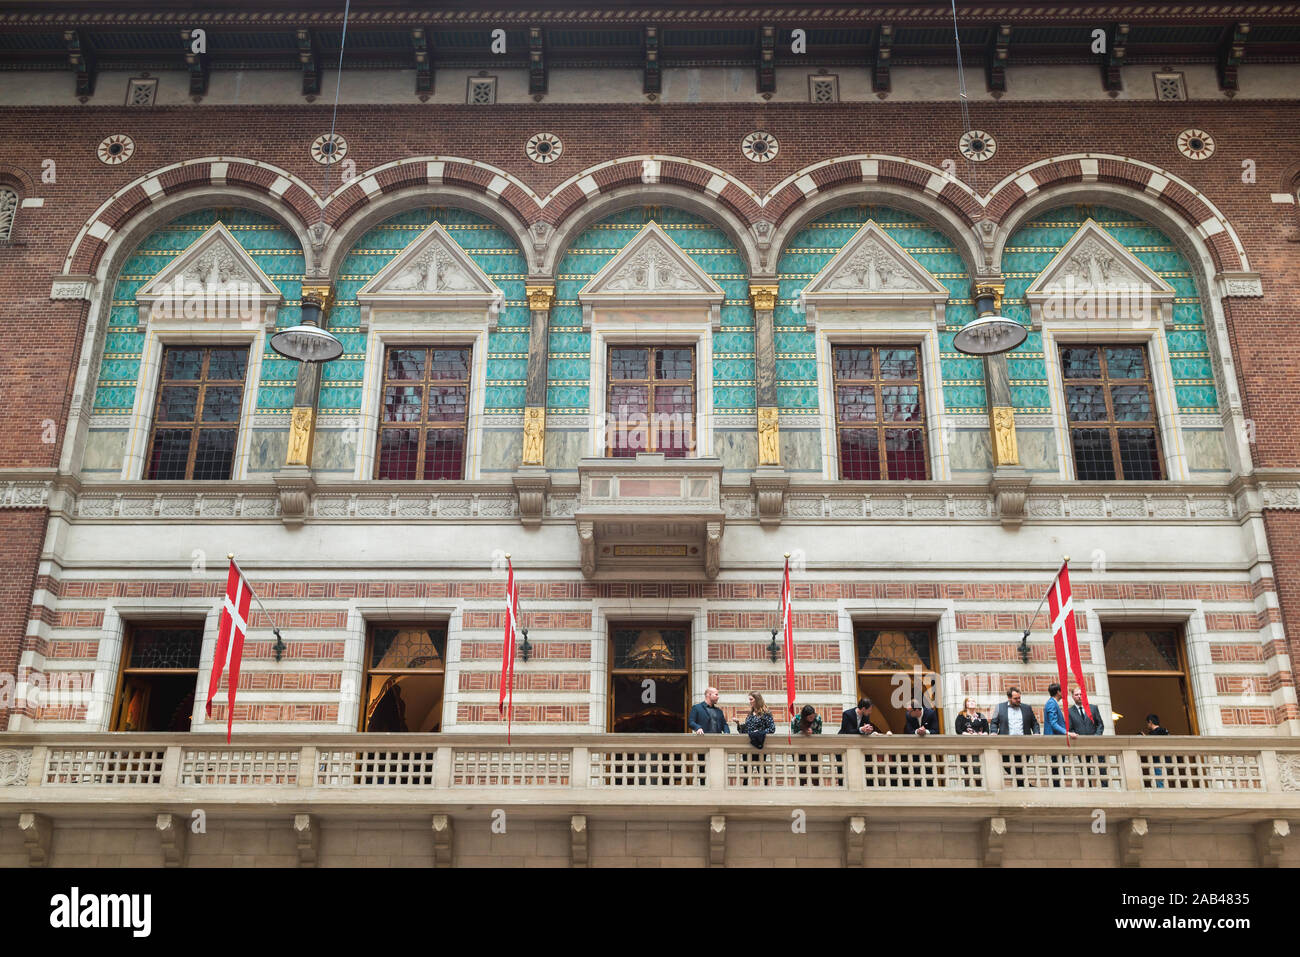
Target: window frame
(1110,424)
(1181,648)
(424,426)
(880,426)
(651,384)
(130,628)
(367,671)
(641,624)
(197,426)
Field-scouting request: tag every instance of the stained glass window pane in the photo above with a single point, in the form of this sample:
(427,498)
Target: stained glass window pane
(1141,649)
(1132,403)
(893,649)
(1137,454)
(402,403)
(178,403)
(1080,362)
(221,403)
(898,363)
(857,403)
(170,454)
(166,648)
(406,363)
(1093,458)
(183,364)
(1086,403)
(905,453)
(1125,362)
(662,649)
(859,455)
(673,363)
(629,363)
(854,363)
(215,455)
(404,649)
(901,402)
(227,363)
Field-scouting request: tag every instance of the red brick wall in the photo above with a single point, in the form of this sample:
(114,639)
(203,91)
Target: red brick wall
(21,534)
(1283,530)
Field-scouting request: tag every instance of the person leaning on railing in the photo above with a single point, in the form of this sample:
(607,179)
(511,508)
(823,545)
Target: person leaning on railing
(759,723)
(970,720)
(858,720)
(808,721)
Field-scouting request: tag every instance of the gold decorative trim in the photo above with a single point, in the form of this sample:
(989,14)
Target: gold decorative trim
(769,436)
(763,297)
(986,288)
(534,435)
(302,434)
(322,293)
(1002,419)
(540,297)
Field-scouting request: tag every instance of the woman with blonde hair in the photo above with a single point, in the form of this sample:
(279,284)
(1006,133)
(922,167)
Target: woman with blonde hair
(970,720)
(759,723)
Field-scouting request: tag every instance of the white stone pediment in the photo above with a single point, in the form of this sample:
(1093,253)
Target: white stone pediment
(652,271)
(1095,277)
(873,270)
(213,280)
(432,272)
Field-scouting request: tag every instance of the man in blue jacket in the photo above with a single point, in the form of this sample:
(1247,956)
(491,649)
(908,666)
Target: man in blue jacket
(1054,713)
(706,717)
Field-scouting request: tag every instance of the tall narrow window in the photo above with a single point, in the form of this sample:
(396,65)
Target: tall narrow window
(160,673)
(1147,671)
(649,678)
(880,413)
(196,419)
(651,401)
(1112,415)
(8,210)
(405,672)
(424,414)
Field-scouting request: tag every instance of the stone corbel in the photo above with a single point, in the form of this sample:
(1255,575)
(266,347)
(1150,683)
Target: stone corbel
(762,231)
(855,842)
(993,836)
(1240,285)
(532,483)
(717,840)
(37,831)
(442,840)
(587,547)
(1010,486)
(541,233)
(578,840)
(72,287)
(171,836)
(307,835)
(295,485)
(712,549)
(769,484)
(1270,836)
(1132,836)
(986,230)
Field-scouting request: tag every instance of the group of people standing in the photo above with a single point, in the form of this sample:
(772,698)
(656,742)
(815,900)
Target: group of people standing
(1010,717)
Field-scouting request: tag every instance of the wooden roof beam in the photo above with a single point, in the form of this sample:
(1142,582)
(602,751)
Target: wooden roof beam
(880,58)
(995,64)
(1232,51)
(82,60)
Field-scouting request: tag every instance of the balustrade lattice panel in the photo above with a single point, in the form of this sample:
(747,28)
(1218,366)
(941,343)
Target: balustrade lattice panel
(647,768)
(506,768)
(106,766)
(1219,772)
(352,768)
(244,766)
(1021,769)
(891,769)
(785,769)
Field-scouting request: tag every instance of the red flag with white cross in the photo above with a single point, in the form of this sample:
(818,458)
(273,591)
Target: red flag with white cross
(231,631)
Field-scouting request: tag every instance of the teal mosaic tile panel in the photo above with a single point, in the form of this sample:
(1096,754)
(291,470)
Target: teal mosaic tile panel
(490,247)
(1036,243)
(273,247)
(570,349)
(808,252)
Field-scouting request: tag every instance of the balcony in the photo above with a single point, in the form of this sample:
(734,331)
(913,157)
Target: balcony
(650,515)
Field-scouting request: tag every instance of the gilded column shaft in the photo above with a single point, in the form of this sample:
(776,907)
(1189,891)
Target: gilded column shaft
(769,434)
(540,299)
(302,417)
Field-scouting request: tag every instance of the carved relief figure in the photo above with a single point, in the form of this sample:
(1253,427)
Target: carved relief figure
(1004,434)
(1093,267)
(769,434)
(299,437)
(870,269)
(534,435)
(414,277)
(652,269)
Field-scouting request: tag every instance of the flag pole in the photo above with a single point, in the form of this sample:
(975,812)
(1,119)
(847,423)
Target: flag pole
(1065,560)
(279,647)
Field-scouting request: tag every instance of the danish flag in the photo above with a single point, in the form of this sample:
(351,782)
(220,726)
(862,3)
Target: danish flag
(787,627)
(507,700)
(1060,604)
(231,631)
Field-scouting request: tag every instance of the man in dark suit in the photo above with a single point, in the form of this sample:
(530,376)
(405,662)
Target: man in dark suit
(1012,717)
(921,720)
(858,720)
(1081,723)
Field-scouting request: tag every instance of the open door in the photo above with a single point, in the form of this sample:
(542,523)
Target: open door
(895,664)
(1147,670)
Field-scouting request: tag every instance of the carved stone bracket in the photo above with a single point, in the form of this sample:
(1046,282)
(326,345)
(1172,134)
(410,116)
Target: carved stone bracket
(171,836)
(442,840)
(1009,486)
(993,836)
(578,840)
(587,547)
(1240,285)
(1270,836)
(769,484)
(1132,837)
(712,549)
(295,485)
(717,840)
(855,842)
(307,834)
(37,831)
(532,482)
(72,287)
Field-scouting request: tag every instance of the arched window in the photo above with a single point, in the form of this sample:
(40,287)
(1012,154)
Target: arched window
(8,210)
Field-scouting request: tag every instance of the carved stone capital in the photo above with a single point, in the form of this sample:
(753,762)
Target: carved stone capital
(1010,486)
(307,835)
(1132,836)
(712,549)
(442,834)
(295,485)
(532,483)
(316,291)
(1270,837)
(587,547)
(578,840)
(763,297)
(37,831)
(540,298)
(171,837)
(993,836)
(769,484)
(717,840)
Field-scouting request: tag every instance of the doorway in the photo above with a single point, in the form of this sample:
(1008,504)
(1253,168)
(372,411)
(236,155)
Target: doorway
(1147,670)
(160,674)
(649,678)
(895,664)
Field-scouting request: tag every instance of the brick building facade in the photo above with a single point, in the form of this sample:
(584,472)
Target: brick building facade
(536,205)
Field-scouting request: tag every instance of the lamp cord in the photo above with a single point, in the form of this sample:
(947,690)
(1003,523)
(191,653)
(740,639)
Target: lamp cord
(963,98)
(338,84)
